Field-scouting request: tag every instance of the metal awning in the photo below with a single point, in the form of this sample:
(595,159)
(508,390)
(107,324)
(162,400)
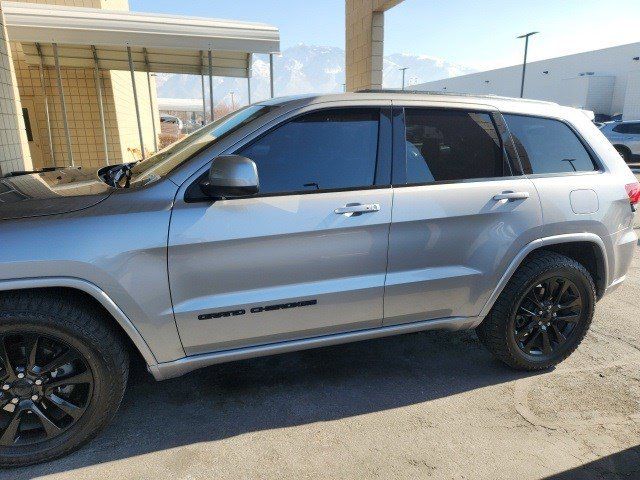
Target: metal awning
(74,37)
(158,43)
(180,104)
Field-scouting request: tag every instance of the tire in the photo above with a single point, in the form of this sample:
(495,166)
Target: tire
(625,153)
(508,321)
(91,384)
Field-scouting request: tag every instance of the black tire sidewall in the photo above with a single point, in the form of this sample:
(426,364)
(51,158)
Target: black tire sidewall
(583,284)
(626,154)
(105,380)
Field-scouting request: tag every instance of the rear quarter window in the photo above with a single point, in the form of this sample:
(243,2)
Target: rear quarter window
(630,128)
(545,145)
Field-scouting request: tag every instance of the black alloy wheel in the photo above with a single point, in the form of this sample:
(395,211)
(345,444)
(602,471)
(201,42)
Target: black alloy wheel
(63,372)
(46,387)
(542,314)
(547,316)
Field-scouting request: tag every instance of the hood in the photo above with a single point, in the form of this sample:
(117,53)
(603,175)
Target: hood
(51,192)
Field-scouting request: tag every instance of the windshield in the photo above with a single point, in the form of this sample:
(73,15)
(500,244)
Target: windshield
(170,157)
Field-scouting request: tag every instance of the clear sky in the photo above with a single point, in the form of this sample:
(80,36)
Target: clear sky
(480,34)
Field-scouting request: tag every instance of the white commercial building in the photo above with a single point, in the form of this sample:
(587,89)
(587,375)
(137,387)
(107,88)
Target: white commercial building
(605,81)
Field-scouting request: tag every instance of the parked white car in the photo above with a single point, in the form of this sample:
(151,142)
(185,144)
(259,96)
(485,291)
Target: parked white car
(171,119)
(625,137)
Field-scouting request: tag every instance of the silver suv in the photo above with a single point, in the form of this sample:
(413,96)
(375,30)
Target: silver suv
(625,137)
(298,223)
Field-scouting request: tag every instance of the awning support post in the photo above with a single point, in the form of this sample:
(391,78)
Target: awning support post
(153,120)
(135,101)
(96,72)
(46,105)
(271,73)
(249,78)
(63,104)
(211,84)
(204,100)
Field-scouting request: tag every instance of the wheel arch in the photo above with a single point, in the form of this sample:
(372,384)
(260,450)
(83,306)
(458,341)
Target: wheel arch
(84,289)
(586,248)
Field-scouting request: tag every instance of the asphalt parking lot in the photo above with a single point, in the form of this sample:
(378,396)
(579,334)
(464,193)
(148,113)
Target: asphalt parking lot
(427,405)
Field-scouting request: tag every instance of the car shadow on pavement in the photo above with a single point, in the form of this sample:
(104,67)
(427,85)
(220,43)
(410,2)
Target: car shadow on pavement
(624,464)
(286,390)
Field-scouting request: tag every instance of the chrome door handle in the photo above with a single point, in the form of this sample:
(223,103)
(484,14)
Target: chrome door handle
(350,209)
(511,196)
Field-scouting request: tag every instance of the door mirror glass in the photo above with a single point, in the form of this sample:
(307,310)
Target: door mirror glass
(231,176)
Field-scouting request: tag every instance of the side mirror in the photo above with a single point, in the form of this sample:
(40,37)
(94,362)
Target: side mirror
(231,176)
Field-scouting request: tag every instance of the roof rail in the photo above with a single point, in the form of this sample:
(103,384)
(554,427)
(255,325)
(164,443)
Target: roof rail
(452,94)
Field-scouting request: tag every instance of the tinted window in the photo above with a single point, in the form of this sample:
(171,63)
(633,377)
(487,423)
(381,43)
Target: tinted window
(548,146)
(452,145)
(330,149)
(170,157)
(633,128)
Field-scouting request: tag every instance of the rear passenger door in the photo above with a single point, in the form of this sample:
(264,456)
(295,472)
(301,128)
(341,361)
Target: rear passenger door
(462,211)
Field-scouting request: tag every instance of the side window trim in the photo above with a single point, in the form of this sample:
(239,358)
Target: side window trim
(399,169)
(382,173)
(597,163)
(508,146)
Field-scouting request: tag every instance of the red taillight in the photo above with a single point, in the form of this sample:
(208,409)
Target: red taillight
(633,190)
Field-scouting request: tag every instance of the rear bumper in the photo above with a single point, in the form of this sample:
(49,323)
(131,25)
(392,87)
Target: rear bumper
(624,245)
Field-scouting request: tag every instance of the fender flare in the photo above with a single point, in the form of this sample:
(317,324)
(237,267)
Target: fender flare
(97,294)
(534,245)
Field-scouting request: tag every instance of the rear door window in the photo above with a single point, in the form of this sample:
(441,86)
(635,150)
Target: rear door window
(545,145)
(452,145)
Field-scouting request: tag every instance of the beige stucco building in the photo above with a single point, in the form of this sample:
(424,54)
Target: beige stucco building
(78,76)
(14,151)
(81,96)
(365,42)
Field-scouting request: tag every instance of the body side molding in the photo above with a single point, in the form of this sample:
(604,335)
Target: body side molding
(95,292)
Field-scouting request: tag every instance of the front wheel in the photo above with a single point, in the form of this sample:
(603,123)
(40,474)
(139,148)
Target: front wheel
(543,313)
(63,372)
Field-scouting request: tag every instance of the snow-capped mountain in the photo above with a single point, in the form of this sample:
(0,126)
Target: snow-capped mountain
(305,69)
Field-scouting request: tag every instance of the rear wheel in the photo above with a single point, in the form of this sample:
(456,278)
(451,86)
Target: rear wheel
(543,313)
(625,153)
(63,373)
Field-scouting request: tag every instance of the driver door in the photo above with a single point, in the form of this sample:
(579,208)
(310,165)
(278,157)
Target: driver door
(287,263)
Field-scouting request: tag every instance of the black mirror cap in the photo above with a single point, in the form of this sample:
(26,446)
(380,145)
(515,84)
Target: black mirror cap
(231,176)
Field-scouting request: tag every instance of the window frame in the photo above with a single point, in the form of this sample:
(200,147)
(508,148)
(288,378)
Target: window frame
(382,173)
(597,163)
(399,170)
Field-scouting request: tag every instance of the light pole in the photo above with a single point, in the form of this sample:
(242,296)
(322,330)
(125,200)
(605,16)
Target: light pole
(524,63)
(233,101)
(403,70)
